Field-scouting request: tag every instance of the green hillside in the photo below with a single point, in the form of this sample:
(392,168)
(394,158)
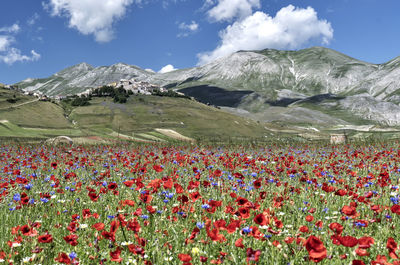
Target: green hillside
(140,119)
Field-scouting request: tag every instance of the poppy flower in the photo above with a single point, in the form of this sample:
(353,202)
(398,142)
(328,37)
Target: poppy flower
(158,168)
(361,252)
(349,210)
(93,196)
(46,238)
(309,218)
(71,239)
(98,226)
(63,258)
(391,245)
(184,257)
(395,209)
(135,249)
(357,262)
(203,259)
(244,212)
(260,219)
(252,255)
(303,229)
(316,249)
(365,242)
(115,255)
(239,243)
(336,227)
(348,241)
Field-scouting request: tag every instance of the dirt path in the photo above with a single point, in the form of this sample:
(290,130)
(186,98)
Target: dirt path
(21,104)
(175,135)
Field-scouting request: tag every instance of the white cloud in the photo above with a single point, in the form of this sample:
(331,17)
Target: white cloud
(188,28)
(291,28)
(167,68)
(5,42)
(10,54)
(91,16)
(191,27)
(14,55)
(11,29)
(226,10)
(32,20)
(149,70)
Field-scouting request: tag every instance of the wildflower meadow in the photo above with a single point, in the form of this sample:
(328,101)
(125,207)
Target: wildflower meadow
(155,204)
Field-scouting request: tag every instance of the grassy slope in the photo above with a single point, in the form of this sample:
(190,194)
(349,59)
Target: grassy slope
(143,114)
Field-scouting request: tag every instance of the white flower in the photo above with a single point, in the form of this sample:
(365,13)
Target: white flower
(83,226)
(15,244)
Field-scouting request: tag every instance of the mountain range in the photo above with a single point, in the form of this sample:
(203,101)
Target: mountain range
(316,86)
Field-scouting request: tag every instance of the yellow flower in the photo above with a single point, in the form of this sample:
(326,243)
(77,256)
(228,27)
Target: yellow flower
(195,251)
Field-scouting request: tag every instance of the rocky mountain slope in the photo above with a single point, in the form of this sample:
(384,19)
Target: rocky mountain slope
(315,85)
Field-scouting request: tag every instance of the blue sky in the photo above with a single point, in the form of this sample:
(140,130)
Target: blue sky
(39,38)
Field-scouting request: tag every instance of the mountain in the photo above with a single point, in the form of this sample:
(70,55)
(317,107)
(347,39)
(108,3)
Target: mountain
(311,86)
(80,77)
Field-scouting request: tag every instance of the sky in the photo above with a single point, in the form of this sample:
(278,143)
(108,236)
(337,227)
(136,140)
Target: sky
(40,38)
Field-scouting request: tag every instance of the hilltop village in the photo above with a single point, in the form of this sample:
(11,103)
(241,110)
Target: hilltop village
(134,86)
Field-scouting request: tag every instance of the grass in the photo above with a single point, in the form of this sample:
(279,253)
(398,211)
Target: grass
(143,114)
(37,115)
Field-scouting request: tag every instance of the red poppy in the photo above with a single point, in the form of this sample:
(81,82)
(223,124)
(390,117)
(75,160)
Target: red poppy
(395,209)
(349,210)
(46,238)
(336,227)
(71,239)
(309,218)
(129,183)
(203,259)
(316,249)
(358,262)
(184,257)
(158,168)
(93,196)
(260,219)
(348,241)
(115,255)
(391,245)
(135,249)
(244,212)
(365,242)
(63,258)
(303,229)
(257,184)
(361,252)
(98,226)
(239,243)
(112,186)
(241,201)
(252,255)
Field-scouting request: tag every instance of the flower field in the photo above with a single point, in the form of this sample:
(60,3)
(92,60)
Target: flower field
(198,205)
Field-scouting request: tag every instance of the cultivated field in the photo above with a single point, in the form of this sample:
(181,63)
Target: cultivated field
(193,204)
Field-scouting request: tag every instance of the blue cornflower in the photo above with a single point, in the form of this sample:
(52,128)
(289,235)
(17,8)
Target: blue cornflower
(73,255)
(206,206)
(144,216)
(200,225)
(246,230)
(17,197)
